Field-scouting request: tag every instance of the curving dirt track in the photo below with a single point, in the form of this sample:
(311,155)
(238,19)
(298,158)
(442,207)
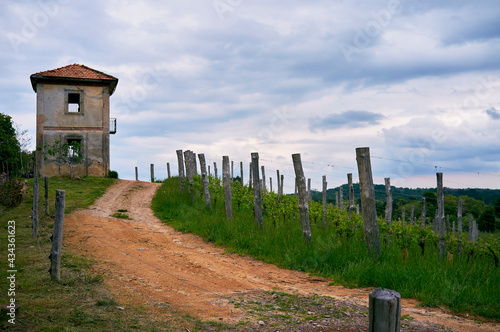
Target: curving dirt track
(163,268)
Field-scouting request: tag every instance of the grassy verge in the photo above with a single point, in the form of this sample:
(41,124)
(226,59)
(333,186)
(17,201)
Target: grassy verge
(79,302)
(462,285)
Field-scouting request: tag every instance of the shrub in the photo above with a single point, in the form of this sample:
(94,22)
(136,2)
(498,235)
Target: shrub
(11,193)
(113,174)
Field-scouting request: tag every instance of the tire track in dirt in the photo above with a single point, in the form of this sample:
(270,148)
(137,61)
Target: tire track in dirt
(192,275)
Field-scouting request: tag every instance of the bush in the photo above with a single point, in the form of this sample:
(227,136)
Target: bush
(113,174)
(12,193)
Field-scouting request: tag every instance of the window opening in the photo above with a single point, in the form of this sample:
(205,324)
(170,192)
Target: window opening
(74,147)
(73,102)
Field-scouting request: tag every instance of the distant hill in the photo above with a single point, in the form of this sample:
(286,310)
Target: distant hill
(488,196)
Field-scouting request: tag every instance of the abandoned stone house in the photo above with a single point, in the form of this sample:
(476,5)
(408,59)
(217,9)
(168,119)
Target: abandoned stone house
(72,105)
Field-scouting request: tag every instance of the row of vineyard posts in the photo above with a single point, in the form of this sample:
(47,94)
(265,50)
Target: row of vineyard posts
(444,235)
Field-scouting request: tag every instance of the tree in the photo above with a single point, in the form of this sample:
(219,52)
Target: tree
(67,153)
(9,146)
(486,222)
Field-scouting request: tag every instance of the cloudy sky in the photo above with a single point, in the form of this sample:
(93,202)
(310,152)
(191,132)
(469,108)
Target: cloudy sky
(416,81)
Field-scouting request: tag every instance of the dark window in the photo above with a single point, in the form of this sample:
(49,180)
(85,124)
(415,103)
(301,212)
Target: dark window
(73,102)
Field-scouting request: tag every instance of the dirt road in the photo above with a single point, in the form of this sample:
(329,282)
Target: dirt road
(177,273)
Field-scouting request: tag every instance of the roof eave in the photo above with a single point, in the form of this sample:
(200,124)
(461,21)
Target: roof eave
(39,78)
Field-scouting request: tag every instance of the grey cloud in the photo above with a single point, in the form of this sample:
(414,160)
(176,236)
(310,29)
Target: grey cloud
(349,119)
(493,113)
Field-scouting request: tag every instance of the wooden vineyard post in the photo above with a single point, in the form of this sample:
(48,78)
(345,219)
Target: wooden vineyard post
(215,170)
(257,196)
(36,193)
(136,174)
(412,213)
(226,176)
(324,200)
(189,170)
(403,213)
(232,171)
(46,182)
(204,179)
(168,170)
(459,217)
(180,164)
(337,200)
(440,215)
(152,172)
(388,206)
(423,212)
(351,194)
(56,250)
(384,311)
(281,184)
(303,202)
(368,207)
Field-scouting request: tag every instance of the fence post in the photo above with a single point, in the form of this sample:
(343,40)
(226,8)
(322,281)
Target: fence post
(136,174)
(341,198)
(204,179)
(152,173)
(384,311)
(46,180)
(324,201)
(263,179)
(241,171)
(56,250)
(303,203)
(459,217)
(180,163)
(351,194)
(36,193)
(424,212)
(388,205)
(368,207)
(440,216)
(168,170)
(227,187)
(257,195)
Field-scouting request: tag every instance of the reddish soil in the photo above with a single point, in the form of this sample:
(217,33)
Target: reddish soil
(177,273)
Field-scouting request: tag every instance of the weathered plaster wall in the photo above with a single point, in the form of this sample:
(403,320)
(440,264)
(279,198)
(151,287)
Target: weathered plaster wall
(91,126)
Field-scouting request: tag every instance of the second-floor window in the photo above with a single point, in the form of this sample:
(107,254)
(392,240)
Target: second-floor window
(73,102)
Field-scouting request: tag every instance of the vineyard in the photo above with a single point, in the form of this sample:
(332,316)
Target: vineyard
(465,279)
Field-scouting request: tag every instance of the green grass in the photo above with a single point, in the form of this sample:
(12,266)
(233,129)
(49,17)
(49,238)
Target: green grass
(80,301)
(463,286)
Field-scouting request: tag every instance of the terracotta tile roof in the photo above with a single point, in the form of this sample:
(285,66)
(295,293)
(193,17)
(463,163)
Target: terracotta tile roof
(76,71)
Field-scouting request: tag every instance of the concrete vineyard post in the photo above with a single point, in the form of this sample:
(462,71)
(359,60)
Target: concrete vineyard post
(180,163)
(337,200)
(388,206)
(440,215)
(36,193)
(459,221)
(324,200)
(56,250)
(368,207)
(226,177)
(241,173)
(46,182)
(341,198)
(303,199)
(384,311)
(215,170)
(204,179)
(351,194)
(309,193)
(263,179)
(423,212)
(257,198)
